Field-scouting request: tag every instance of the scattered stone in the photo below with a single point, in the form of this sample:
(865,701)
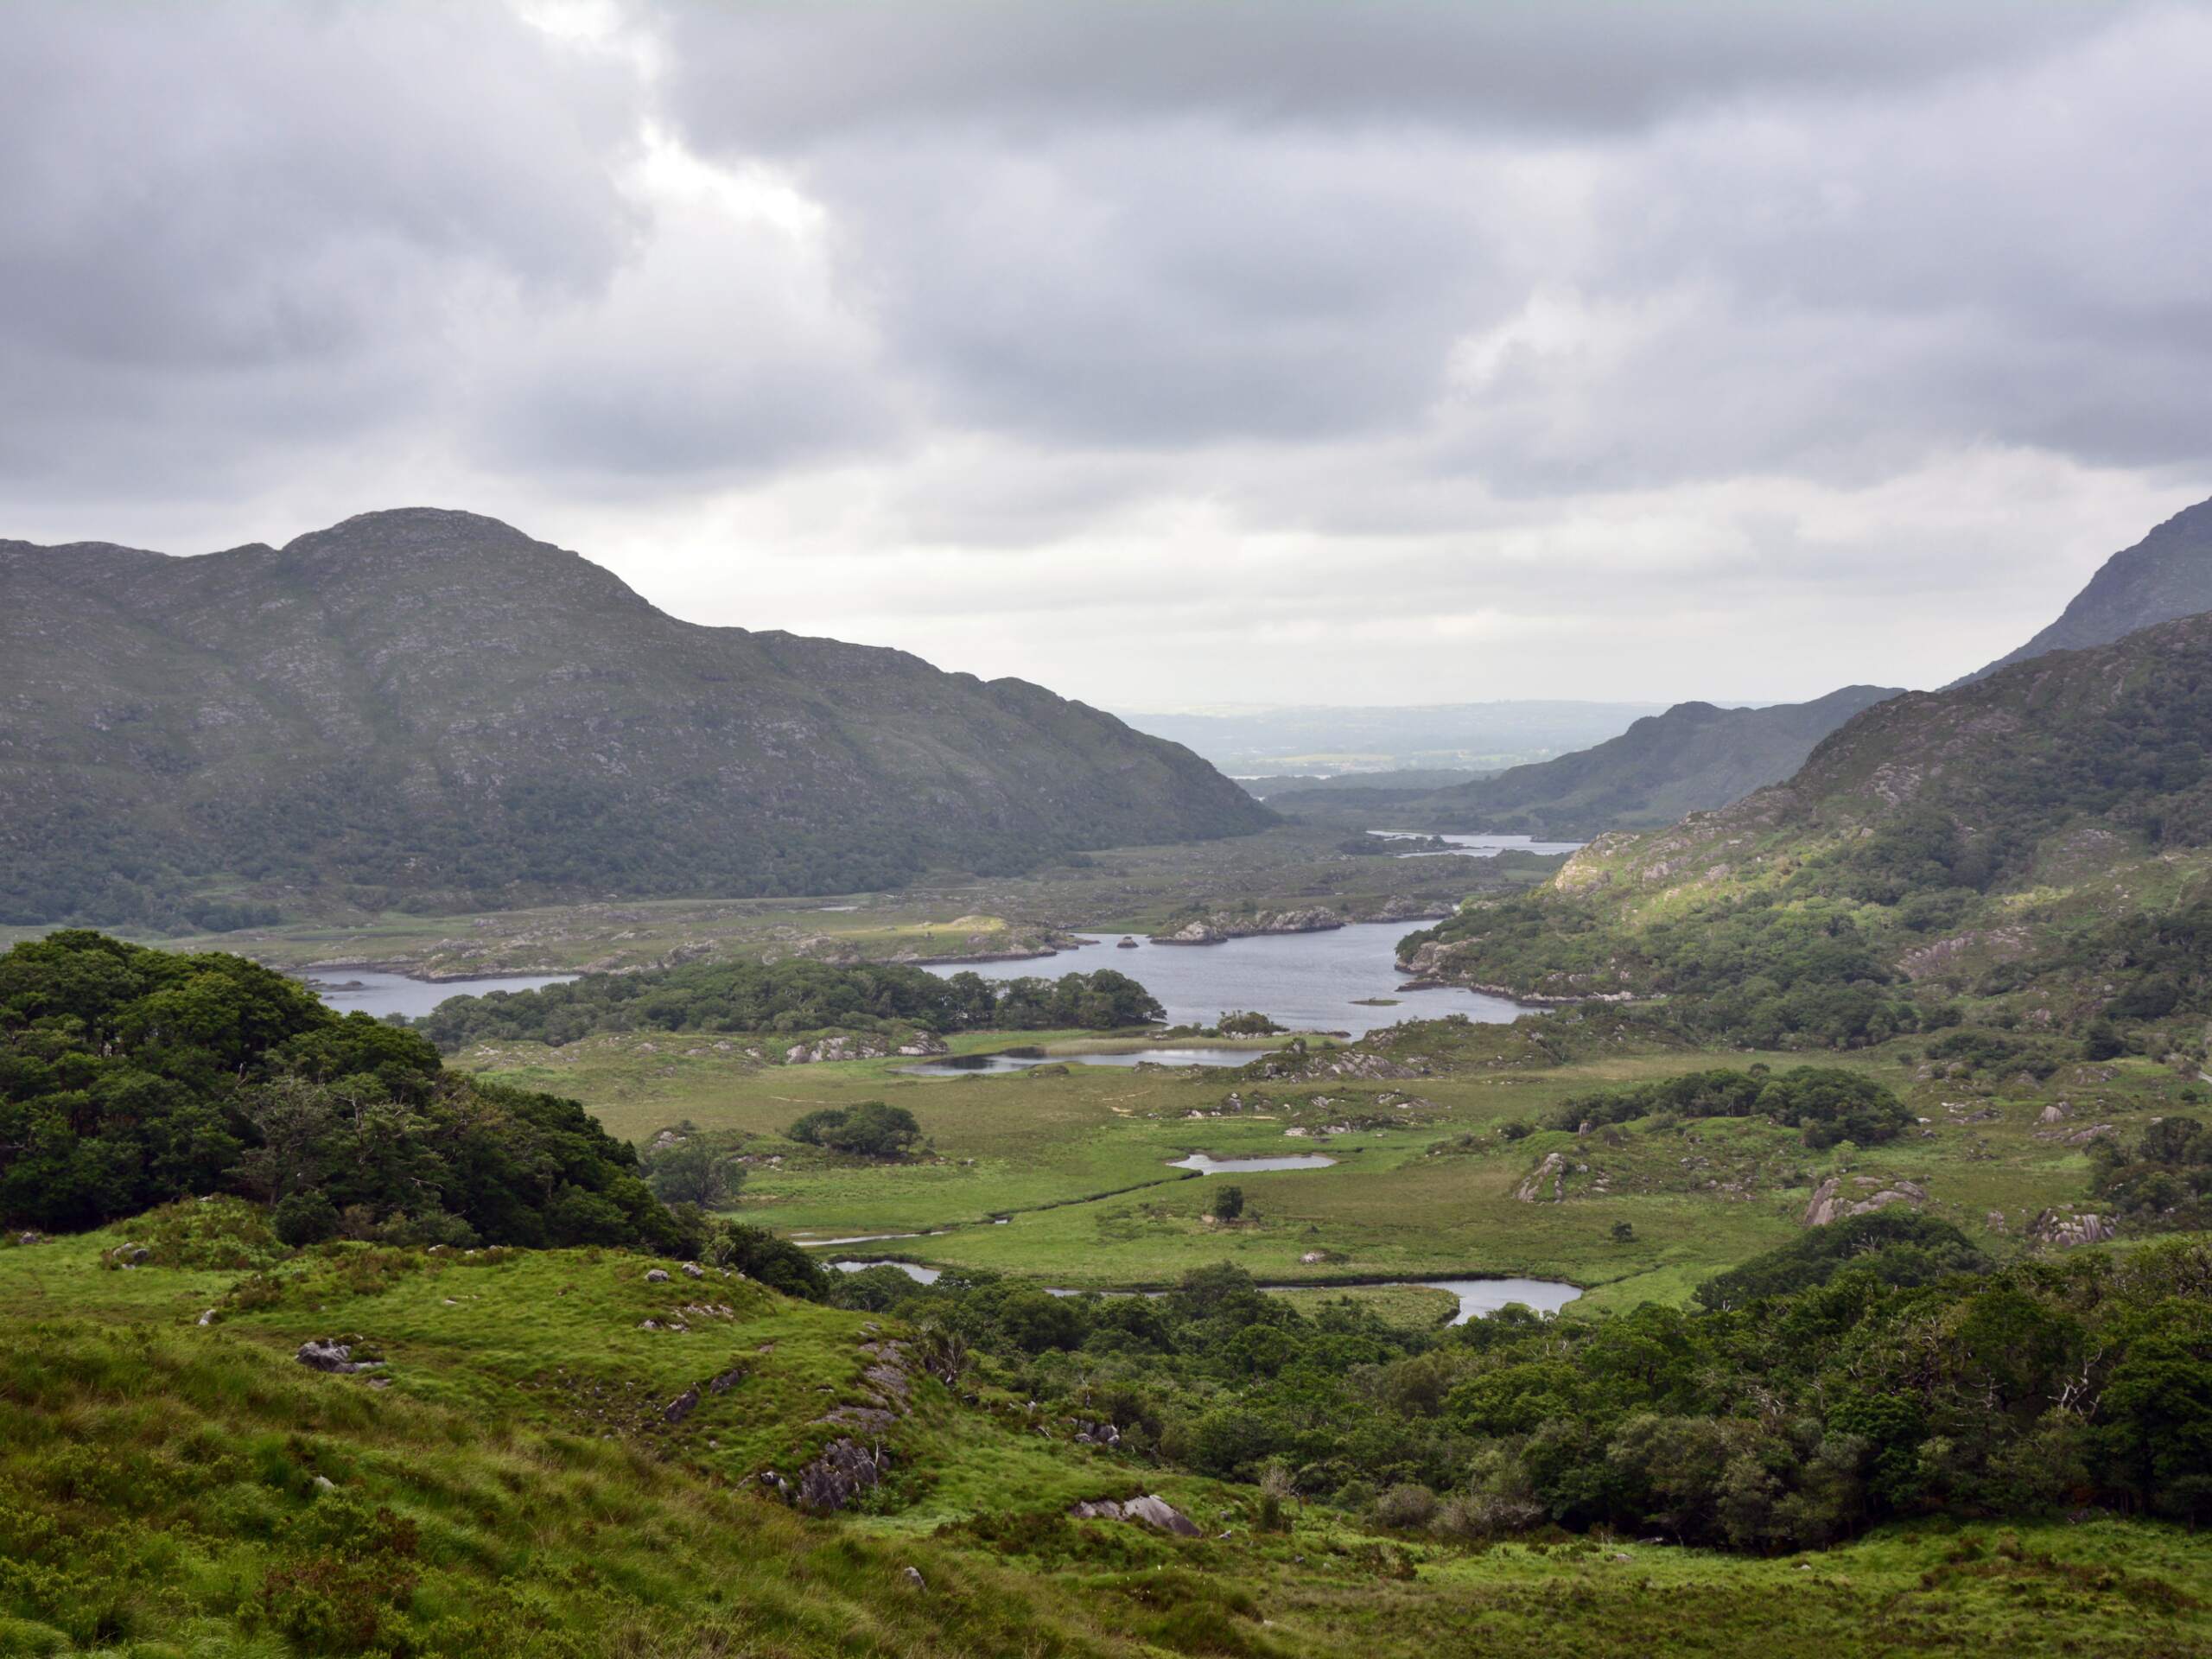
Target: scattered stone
(335,1356)
(913,1577)
(1151,1510)
(208,1317)
(657,1275)
(2064,1232)
(325,1483)
(693,1270)
(681,1407)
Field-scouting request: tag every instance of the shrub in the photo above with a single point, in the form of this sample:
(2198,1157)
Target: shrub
(305,1218)
(871,1129)
(1406,1506)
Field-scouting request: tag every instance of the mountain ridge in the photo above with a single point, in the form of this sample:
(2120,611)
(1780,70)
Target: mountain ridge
(1692,757)
(2041,838)
(431,706)
(2167,576)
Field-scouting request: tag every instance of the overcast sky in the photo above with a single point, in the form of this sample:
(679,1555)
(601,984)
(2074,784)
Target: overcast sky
(1170,352)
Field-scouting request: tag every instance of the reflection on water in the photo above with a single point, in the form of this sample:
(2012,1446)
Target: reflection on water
(356,990)
(920,1274)
(1480,846)
(1478,1297)
(1021,1059)
(1206,1165)
(1309,981)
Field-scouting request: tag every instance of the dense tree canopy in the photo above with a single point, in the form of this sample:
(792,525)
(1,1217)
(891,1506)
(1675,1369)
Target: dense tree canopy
(1828,1104)
(131,1077)
(788,997)
(1875,1368)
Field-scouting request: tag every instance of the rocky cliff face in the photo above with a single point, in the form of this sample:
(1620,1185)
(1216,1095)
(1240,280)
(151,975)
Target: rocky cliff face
(2166,576)
(425,704)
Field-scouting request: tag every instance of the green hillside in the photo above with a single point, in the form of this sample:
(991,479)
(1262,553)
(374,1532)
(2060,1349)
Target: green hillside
(466,1408)
(428,710)
(2030,849)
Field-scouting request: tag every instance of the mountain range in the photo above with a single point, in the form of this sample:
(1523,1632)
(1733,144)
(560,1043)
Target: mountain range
(1692,757)
(421,707)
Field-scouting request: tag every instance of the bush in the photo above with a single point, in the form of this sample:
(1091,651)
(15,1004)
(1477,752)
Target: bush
(305,1218)
(1405,1506)
(871,1129)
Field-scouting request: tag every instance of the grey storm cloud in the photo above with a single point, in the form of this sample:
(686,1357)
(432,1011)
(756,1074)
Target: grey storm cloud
(905,317)
(785,73)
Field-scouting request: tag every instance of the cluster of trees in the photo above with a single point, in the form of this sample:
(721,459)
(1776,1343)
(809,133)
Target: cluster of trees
(1870,1372)
(870,1129)
(1826,1104)
(131,1077)
(1752,969)
(791,997)
(2160,1180)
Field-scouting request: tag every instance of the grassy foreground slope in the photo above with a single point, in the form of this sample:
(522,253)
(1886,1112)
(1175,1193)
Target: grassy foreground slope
(167,1488)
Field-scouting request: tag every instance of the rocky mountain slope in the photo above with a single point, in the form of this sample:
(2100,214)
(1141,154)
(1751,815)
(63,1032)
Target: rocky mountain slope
(418,707)
(2166,574)
(1690,758)
(2045,831)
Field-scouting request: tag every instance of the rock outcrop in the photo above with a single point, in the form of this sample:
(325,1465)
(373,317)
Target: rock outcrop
(333,1356)
(1834,1198)
(2063,1231)
(1219,928)
(1552,1174)
(843,1472)
(1150,1510)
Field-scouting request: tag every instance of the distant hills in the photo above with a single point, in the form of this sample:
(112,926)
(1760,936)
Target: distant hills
(1460,737)
(1691,758)
(1411,781)
(2166,574)
(421,707)
(2042,835)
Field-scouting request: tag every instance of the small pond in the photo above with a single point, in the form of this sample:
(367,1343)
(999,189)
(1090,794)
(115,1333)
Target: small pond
(1206,1166)
(1021,1059)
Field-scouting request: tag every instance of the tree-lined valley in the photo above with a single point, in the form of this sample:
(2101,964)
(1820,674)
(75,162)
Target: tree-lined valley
(1075,829)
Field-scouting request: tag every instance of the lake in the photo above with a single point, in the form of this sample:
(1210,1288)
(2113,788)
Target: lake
(1311,982)
(356,990)
(1481,846)
(970,1066)
(1477,1297)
